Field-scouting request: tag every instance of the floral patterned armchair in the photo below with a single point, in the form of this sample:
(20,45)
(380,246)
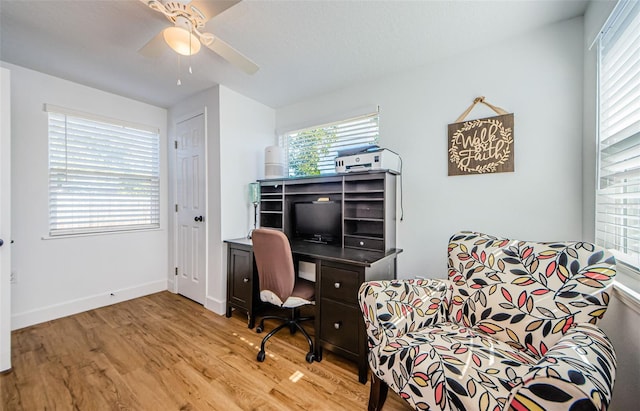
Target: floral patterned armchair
(513,328)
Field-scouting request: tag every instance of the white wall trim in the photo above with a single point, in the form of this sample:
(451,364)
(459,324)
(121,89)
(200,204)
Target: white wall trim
(627,296)
(216,305)
(626,286)
(51,312)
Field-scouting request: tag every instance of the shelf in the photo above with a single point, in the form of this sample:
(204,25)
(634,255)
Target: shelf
(363,219)
(373,236)
(359,226)
(363,199)
(364,185)
(314,188)
(302,193)
(363,191)
(271,219)
(270,212)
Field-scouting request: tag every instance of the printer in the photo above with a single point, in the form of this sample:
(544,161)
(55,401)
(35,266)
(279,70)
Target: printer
(366,159)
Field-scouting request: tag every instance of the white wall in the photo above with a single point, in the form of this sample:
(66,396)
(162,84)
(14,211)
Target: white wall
(622,320)
(538,77)
(246,128)
(59,277)
(238,130)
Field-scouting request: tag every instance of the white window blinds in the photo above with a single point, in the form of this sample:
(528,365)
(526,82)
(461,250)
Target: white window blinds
(103,174)
(312,151)
(618,192)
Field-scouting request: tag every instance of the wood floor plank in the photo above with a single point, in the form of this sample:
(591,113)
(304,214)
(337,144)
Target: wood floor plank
(151,391)
(165,352)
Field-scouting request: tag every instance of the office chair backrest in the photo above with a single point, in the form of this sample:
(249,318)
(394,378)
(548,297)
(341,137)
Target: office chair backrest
(274,261)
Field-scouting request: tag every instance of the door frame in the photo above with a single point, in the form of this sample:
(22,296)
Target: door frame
(5,217)
(174,214)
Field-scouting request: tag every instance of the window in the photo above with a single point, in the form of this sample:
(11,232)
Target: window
(103,174)
(618,191)
(312,151)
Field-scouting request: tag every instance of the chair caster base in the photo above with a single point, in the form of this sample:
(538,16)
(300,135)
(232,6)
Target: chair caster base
(259,329)
(310,357)
(261,356)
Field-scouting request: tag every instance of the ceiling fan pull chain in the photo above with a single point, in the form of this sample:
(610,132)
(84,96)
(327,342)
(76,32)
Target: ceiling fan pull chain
(190,53)
(179,82)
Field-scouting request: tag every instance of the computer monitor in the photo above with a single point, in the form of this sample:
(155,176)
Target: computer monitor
(318,221)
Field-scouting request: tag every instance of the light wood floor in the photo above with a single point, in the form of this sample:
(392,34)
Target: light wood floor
(165,352)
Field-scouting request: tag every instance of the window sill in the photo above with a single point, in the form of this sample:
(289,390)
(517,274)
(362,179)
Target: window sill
(67,236)
(627,287)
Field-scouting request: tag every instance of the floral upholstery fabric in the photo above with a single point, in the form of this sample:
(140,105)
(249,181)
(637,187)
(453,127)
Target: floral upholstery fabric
(512,328)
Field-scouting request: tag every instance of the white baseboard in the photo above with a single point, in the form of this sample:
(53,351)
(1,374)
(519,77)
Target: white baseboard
(51,312)
(216,305)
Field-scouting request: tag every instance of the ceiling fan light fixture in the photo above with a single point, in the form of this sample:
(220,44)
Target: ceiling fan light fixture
(182,41)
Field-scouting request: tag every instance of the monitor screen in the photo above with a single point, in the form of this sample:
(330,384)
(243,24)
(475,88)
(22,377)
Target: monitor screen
(318,221)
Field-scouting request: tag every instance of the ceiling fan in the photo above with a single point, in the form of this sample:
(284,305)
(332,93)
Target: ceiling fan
(186,35)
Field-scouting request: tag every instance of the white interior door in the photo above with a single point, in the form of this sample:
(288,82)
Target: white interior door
(191,206)
(5,222)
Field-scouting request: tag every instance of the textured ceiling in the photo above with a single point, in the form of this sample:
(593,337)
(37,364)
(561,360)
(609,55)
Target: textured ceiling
(303,48)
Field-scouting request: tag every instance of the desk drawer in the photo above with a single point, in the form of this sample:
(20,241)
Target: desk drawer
(340,324)
(340,284)
(365,243)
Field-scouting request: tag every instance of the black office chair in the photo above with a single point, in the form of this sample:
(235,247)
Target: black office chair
(279,285)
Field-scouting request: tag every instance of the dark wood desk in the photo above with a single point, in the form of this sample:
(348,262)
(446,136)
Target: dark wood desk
(339,326)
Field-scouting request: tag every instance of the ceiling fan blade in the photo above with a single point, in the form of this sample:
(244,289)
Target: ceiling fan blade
(154,48)
(230,54)
(211,8)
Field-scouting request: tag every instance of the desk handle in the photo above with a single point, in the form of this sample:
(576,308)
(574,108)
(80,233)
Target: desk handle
(245,280)
(337,325)
(337,285)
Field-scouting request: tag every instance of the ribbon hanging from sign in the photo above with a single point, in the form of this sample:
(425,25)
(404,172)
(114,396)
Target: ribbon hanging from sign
(477,100)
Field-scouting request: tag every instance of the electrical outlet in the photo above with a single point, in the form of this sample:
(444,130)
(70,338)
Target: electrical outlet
(13,277)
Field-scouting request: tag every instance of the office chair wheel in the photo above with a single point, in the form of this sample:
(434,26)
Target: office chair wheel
(259,329)
(310,357)
(261,356)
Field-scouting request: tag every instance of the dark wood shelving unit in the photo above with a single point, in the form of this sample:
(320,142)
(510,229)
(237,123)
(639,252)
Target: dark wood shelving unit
(368,205)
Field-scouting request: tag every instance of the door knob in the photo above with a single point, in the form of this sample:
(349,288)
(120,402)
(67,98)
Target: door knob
(198,218)
(1,242)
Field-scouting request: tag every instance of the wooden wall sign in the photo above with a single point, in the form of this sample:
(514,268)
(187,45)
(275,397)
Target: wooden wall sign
(481,146)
